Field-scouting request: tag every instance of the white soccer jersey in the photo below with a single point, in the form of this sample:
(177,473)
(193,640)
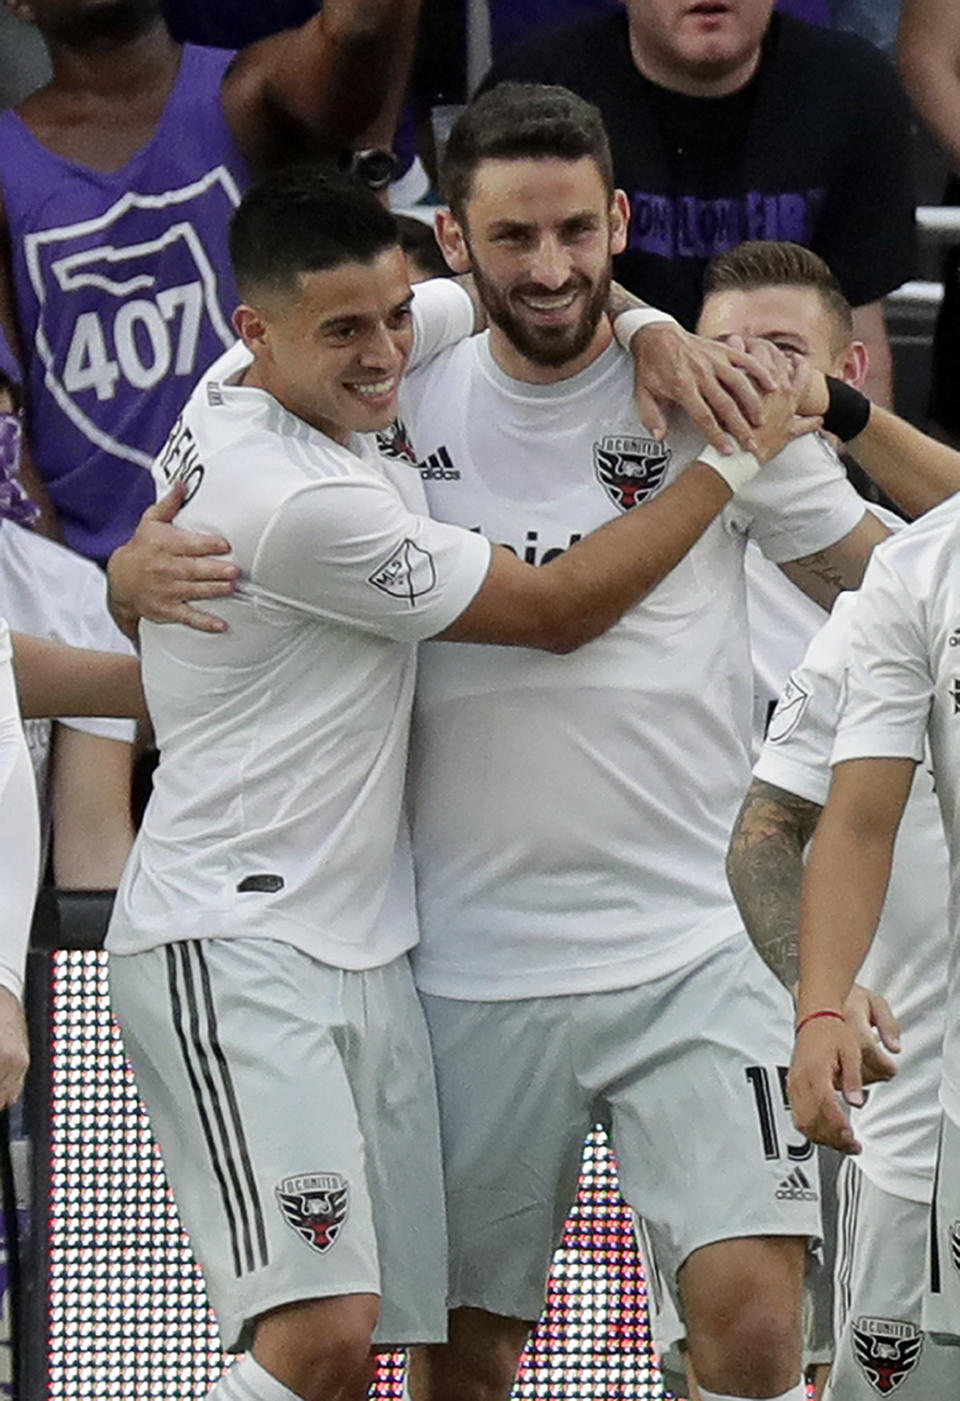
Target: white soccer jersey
(908,961)
(782,621)
(283,741)
(48,591)
(904,685)
(572,812)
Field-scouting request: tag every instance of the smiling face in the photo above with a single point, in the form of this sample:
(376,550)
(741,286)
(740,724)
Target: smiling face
(538,236)
(706,48)
(333,353)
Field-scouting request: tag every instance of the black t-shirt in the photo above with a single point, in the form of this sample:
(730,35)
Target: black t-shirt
(816,149)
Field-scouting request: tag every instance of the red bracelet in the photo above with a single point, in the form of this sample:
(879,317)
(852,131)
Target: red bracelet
(812,1017)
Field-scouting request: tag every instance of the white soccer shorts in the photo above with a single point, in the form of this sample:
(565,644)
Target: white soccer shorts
(941,1301)
(881,1345)
(688,1070)
(295,1107)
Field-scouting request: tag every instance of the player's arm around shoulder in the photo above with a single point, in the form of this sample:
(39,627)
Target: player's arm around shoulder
(559,606)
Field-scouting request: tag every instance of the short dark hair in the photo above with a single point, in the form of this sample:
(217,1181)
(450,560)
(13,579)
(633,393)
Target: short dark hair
(772,264)
(522,121)
(306,218)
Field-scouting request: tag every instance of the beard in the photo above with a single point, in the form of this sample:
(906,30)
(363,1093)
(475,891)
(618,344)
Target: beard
(548,346)
(99,25)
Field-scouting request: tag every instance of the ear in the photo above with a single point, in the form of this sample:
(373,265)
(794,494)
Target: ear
(853,364)
(619,221)
(452,241)
(251,327)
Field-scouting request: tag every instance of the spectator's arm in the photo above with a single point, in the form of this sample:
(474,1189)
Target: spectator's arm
(33,483)
(870,327)
(90,802)
(337,81)
(928,56)
(54,679)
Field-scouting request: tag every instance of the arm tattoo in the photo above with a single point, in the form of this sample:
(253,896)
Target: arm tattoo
(820,567)
(765,870)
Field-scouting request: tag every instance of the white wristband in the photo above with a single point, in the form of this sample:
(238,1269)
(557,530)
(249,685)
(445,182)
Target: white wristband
(628,323)
(736,469)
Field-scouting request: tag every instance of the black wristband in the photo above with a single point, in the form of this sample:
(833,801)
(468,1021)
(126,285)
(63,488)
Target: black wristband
(847,412)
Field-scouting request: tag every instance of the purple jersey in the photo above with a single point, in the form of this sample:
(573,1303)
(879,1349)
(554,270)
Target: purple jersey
(124,294)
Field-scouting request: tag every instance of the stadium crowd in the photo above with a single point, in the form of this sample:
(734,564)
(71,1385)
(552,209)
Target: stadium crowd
(441,500)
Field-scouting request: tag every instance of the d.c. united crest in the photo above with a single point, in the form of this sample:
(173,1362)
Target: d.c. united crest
(315,1205)
(630,469)
(887,1350)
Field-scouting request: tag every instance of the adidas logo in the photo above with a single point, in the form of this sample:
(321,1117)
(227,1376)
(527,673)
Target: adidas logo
(438,467)
(796,1188)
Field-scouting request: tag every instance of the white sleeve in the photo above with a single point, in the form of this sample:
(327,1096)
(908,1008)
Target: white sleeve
(349,549)
(799,502)
(796,753)
(890,686)
(442,315)
(19,832)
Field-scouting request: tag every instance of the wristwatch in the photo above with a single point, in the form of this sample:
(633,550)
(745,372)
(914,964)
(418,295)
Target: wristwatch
(375,168)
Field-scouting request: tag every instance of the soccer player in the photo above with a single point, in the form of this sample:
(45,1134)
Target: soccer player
(885,1193)
(901,690)
(571,881)
(260,933)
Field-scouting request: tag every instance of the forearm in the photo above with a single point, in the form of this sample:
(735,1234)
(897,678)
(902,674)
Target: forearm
(842,895)
(53,679)
(401,21)
(913,469)
(765,871)
(928,57)
(559,606)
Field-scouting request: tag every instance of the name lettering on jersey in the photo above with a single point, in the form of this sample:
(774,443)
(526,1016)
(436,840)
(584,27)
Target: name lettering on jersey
(531,551)
(179,460)
(887,1350)
(315,1205)
(407,573)
(630,469)
(438,467)
(395,442)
